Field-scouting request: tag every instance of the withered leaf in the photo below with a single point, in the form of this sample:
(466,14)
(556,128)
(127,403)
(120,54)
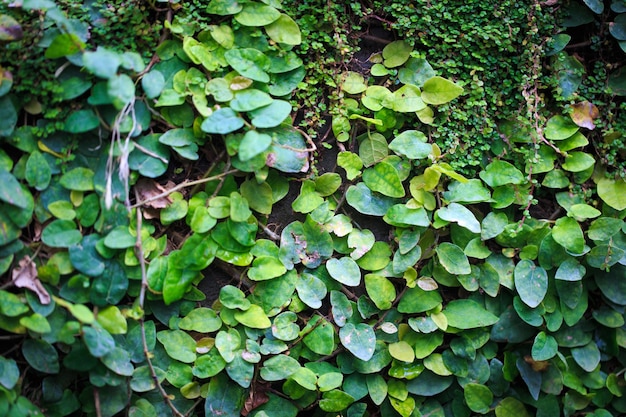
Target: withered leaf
(25,276)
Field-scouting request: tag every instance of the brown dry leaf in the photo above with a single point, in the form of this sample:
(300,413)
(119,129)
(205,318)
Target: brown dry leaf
(148,189)
(584,114)
(256,398)
(25,276)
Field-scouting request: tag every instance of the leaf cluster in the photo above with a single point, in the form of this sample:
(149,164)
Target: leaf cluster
(163,169)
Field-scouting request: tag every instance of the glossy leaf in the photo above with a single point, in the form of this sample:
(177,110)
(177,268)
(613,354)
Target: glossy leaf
(384,178)
(412,144)
(344,270)
(359,339)
(438,90)
(453,259)
(178,344)
(531,282)
(468,314)
(284,30)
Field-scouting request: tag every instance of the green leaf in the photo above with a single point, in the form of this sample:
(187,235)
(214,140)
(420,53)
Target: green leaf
(153,83)
(531,282)
(249,62)
(344,270)
(120,238)
(102,63)
(224,398)
(341,308)
(111,287)
(327,183)
(121,89)
(416,71)
(376,258)
(381,291)
(376,96)
(500,172)
(41,355)
(284,30)
(279,367)
(361,241)
(407,99)
(9,373)
(335,401)
(612,192)
(177,137)
(544,347)
(384,178)
(228,343)
(252,144)
(457,213)
(271,115)
(222,121)
(453,259)
(373,149)
(570,270)
(62,45)
(12,192)
(311,290)
(78,179)
(438,90)
(178,345)
(257,14)
(511,407)
(587,357)
(478,397)
(253,317)
(559,128)
(359,339)
(568,233)
(321,339)
(417,300)
(99,342)
(284,326)
(233,298)
(112,320)
(38,172)
(118,360)
(402,351)
(468,314)
(353,82)
(396,53)
(569,74)
(250,99)
(377,388)
(266,267)
(202,320)
(36,323)
(493,224)
(61,234)
(412,144)
(578,161)
(81,121)
(429,384)
(8,116)
(259,196)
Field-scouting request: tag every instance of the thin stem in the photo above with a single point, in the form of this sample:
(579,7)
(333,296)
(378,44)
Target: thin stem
(182,185)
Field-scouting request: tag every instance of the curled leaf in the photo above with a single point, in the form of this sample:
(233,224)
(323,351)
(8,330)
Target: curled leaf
(25,276)
(584,113)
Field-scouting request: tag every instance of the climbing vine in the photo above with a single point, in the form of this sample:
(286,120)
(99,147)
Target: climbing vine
(172,244)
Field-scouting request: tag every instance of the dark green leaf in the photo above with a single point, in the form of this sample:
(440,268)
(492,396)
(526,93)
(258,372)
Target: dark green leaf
(41,355)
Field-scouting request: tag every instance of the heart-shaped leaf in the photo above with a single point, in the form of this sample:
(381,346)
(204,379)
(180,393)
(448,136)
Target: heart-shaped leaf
(359,339)
(344,270)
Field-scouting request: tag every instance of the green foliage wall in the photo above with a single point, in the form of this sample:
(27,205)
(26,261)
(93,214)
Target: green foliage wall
(149,147)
